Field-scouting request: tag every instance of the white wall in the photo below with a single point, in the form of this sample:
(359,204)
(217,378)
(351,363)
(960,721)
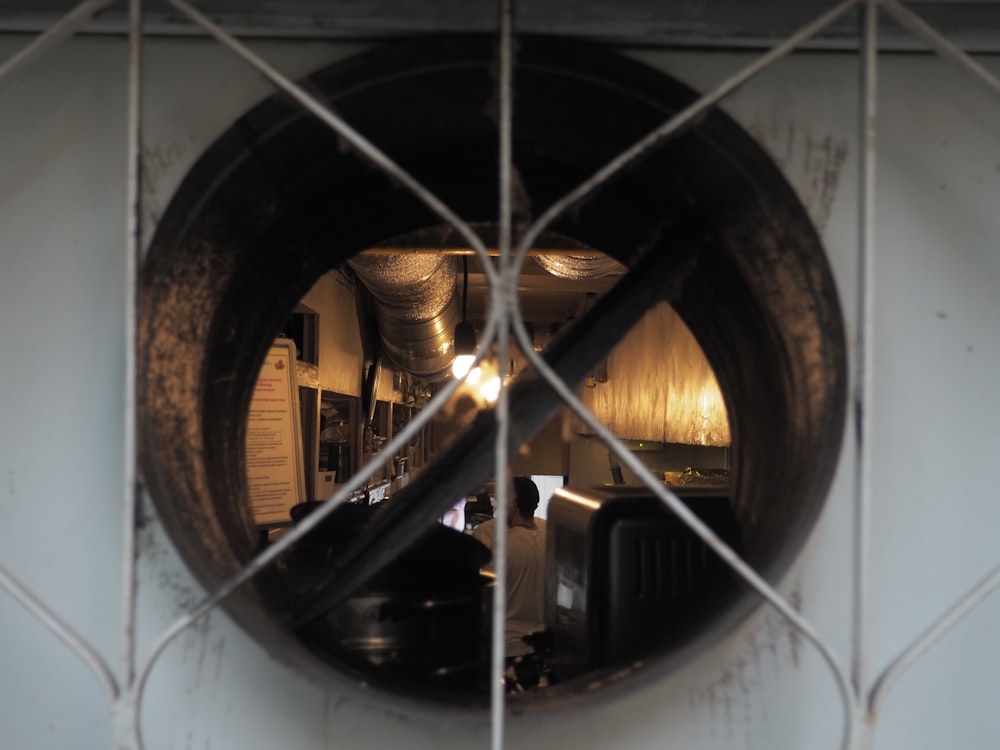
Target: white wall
(936,422)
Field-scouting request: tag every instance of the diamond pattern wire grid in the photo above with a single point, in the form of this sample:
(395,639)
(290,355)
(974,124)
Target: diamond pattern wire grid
(125,691)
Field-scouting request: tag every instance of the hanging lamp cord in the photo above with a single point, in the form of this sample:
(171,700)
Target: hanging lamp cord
(465,287)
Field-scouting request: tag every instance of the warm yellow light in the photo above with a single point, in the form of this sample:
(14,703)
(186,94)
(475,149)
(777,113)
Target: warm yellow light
(491,389)
(461,365)
(465,349)
(482,383)
(661,386)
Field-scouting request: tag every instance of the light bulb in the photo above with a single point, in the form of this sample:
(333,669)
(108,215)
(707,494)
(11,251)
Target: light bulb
(465,349)
(490,390)
(461,365)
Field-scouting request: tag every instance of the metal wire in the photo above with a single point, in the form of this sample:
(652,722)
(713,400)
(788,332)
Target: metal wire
(76,643)
(384,162)
(929,637)
(133,251)
(502,306)
(504,316)
(60,30)
(705,532)
(939,43)
(864,381)
(400,440)
(672,126)
(943,47)
(359,142)
(125,710)
(848,693)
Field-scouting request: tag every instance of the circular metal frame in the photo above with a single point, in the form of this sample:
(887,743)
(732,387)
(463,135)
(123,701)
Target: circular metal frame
(278,200)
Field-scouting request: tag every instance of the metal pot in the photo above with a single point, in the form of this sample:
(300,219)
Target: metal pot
(427,614)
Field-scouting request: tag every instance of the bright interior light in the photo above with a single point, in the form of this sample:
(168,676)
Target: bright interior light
(491,389)
(482,381)
(461,365)
(465,349)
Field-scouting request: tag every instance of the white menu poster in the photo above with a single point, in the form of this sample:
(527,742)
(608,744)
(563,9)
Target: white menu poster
(275,474)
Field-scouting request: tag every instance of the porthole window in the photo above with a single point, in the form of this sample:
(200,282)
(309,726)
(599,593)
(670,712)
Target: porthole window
(704,222)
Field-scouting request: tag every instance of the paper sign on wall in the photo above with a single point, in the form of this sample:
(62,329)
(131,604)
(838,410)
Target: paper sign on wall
(275,475)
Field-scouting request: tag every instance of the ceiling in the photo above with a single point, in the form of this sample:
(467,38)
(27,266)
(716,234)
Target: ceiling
(545,299)
(973,24)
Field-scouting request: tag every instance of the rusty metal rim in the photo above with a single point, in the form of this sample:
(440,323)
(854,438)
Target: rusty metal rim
(200,337)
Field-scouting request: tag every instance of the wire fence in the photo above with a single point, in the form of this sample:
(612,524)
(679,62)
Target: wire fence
(861,697)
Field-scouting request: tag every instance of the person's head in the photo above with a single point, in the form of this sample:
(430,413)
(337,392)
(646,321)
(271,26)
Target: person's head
(485,503)
(525,496)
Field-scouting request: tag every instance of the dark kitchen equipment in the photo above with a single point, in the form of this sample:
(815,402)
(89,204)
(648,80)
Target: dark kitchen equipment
(626,577)
(431,634)
(426,615)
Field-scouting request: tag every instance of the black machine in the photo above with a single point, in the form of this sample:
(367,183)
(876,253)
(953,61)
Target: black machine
(626,578)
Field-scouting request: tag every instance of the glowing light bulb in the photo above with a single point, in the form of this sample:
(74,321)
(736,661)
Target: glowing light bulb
(462,364)
(490,390)
(465,349)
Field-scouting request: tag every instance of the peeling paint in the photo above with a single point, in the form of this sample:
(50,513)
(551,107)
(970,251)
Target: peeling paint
(824,161)
(730,704)
(159,564)
(218,652)
(157,161)
(813,163)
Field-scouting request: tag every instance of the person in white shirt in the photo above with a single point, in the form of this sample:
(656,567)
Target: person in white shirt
(525,566)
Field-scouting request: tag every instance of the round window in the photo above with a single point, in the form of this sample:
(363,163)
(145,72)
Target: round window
(704,220)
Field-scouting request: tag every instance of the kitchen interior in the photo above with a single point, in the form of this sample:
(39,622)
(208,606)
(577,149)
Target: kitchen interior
(688,302)
(656,390)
